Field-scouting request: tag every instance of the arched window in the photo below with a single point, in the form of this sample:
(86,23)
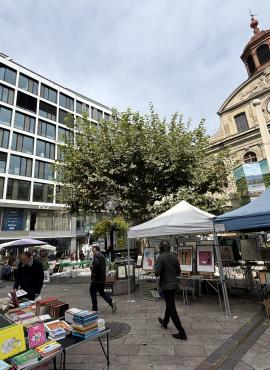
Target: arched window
(250,157)
(250,63)
(263,53)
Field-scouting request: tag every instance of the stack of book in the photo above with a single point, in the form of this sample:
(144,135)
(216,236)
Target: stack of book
(25,359)
(4,365)
(101,325)
(48,348)
(51,306)
(57,329)
(85,324)
(69,314)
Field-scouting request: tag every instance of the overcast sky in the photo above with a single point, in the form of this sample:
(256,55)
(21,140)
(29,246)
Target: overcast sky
(181,55)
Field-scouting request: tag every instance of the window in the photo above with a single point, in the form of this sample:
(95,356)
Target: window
(26,101)
(5,115)
(107,116)
(43,170)
(250,157)
(4,138)
(6,94)
(46,129)
(64,134)
(7,74)
(20,166)
(66,102)
(3,162)
(65,118)
(81,107)
(96,114)
(241,122)
(22,143)
(25,122)
(2,180)
(18,189)
(47,110)
(48,93)
(250,63)
(28,84)
(43,193)
(45,149)
(263,53)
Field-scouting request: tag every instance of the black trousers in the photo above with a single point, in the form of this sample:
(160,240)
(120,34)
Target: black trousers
(95,288)
(170,311)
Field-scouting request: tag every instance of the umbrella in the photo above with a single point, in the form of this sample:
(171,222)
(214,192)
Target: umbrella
(21,243)
(47,247)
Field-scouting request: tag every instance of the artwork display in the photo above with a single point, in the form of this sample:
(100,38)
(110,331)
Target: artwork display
(226,252)
(130,270)
(148,258)
(205,258)
(121,272)
(139,261)
(36,335)
(185,258)
(250,250)
(12,341)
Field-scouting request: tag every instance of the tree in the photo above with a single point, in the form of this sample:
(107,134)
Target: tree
(140,160)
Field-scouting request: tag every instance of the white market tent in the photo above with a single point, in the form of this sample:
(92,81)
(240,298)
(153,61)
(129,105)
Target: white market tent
(181,219)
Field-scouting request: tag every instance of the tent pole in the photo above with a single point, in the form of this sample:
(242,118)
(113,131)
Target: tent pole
(129,241)
(222,278)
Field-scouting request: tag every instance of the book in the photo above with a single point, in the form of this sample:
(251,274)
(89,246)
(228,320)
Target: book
(29,322)
(36,335)
(41,308)
(12,341)
(45,317)
(48,348)
(14,299)
(19,293)
(25,359)
(69,314)
(4,365)
(57,324)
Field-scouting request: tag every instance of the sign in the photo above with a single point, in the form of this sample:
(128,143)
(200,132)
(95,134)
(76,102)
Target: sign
(13,219)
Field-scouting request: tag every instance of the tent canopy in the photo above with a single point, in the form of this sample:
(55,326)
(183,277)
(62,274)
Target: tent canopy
(183,218)
(253,216)
(21,242)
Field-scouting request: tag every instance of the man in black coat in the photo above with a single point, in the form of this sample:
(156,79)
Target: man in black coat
(98,277)
(29,276)
(168,268)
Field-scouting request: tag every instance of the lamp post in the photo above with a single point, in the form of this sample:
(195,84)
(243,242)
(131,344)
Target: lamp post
(263,129)
(110,206)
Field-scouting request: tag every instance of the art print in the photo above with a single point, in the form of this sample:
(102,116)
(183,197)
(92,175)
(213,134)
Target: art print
(205,258)
(185,258)
(148,258)
(226,252)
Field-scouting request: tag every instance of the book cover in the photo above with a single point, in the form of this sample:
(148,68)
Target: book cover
(36,335)
(14,299)
(49,346)
(12,341)
(57,324)
(25,357)
(4,365)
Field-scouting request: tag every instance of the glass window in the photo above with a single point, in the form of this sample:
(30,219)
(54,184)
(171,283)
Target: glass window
(81,107)
(96,114)
(26,101)
(43,193)
(45,149)
(2,181)
(241,122)
(7,74)
(20,166)
(28,84)
(46,129)
(66,101)
(250,157)
(3,162)
(263,53)
(5,115)
(18,189)
(4,138)
(48,93)
(25,122)
(6,94)
(107,117)
(47,111)
(43,170)
(64,134)
(22,143)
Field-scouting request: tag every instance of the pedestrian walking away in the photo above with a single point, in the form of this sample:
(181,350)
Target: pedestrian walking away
(167,268)
(98,277)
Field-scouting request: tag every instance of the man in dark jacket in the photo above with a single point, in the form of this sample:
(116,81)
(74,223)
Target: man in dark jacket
(98,277)
(168,268)
(29,276)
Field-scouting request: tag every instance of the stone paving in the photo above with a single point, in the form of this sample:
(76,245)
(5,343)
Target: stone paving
(148,346)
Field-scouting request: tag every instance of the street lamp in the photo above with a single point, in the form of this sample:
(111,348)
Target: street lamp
(263,129)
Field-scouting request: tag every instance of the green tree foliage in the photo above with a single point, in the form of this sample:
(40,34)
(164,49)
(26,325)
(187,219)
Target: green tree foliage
(140,160)
(117,224)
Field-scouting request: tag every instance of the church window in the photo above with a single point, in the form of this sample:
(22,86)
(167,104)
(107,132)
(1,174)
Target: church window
(250,157)
(241,122)
(250,63)
(263,53)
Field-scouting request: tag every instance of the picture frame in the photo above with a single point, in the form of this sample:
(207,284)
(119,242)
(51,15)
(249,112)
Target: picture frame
(226,253)
(148,259)
(185,257)
(130,268)
(121,272)
(250,250)
(139,260)
(46,276)
(205,258)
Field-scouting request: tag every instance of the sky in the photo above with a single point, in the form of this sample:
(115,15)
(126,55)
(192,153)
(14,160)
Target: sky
(180,55)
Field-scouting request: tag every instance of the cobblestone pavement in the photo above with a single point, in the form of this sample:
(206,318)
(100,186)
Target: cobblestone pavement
(148,346)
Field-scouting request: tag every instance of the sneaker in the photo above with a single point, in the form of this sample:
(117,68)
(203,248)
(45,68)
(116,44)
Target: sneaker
(180,336)
(162,323)
(113,306)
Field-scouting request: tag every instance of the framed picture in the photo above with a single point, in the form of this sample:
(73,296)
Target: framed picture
(226,253)
(148,258)
(185,258)
(139,261)
(205,258)
(250,250)
(46,276)
(121,272)
(130,268)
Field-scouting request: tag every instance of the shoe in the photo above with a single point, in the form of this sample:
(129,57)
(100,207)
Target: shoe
(180,336)
(97,312)
(162,323)
(113,306)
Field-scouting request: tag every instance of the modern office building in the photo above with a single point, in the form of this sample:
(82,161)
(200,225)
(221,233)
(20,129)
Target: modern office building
(245,120)
(32,124)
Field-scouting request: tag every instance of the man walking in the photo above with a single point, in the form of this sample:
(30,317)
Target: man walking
(168,268)
(98,277)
